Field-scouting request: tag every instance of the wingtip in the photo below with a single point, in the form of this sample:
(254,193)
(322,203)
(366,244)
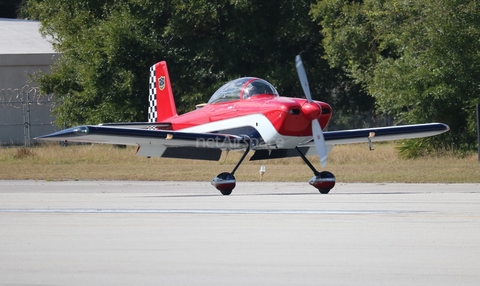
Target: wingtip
(45,137)
(64,134)
(442,126)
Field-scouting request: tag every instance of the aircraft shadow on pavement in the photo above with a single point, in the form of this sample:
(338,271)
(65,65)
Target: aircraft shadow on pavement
(239,194)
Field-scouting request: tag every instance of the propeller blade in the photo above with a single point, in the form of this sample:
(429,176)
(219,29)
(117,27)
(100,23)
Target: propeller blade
(303,77)
(316,128)
(319,142)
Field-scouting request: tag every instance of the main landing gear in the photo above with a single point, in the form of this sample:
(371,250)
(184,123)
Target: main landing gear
(225,182)
(323,181)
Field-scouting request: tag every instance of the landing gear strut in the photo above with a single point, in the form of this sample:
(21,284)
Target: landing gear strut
(225,182)
(323,181)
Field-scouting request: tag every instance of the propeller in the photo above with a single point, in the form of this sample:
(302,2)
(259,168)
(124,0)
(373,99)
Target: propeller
(316,129)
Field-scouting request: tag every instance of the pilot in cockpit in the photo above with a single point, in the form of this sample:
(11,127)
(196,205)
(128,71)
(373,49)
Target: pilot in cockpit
(242,88)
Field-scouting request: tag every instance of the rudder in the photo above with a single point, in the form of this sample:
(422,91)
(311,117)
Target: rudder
(162,104)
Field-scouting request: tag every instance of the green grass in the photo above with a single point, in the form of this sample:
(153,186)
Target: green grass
(349,163)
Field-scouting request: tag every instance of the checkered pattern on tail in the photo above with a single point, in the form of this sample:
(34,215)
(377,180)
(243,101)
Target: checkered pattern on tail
(152,98)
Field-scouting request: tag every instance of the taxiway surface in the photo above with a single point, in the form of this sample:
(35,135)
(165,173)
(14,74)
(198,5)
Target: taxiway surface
(186,233)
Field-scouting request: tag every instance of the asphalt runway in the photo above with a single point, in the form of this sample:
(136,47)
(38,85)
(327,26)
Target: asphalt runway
(186,233)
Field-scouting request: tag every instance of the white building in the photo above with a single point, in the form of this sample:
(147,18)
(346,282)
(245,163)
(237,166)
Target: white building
(23,51)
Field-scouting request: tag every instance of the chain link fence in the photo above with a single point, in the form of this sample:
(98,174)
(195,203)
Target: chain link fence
(24,114)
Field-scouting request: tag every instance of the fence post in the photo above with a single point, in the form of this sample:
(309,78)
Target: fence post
(478,131)
(26,117)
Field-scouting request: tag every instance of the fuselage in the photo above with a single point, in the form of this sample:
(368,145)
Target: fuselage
(264,116)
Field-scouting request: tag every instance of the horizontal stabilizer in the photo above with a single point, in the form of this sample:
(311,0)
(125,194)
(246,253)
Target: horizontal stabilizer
(140,125)
(193,153)
(277,153)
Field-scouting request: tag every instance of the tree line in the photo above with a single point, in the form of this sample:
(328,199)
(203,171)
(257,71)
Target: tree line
(415,61)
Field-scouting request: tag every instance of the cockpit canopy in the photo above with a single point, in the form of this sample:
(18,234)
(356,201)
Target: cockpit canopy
(242,88)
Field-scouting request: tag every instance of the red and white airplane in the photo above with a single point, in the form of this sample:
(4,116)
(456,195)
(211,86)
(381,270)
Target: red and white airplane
(246,114)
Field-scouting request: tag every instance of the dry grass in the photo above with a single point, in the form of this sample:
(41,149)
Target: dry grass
(350,163)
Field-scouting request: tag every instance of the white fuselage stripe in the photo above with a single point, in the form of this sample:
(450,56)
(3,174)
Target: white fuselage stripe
(258,121)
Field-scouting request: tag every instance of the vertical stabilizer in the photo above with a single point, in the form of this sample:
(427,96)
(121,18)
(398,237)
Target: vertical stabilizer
(162,104)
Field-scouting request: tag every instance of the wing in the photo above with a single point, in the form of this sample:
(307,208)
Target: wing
(154,143)
(366,135)
(385,133)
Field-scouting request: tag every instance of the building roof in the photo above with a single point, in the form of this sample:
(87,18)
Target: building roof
(22,37)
